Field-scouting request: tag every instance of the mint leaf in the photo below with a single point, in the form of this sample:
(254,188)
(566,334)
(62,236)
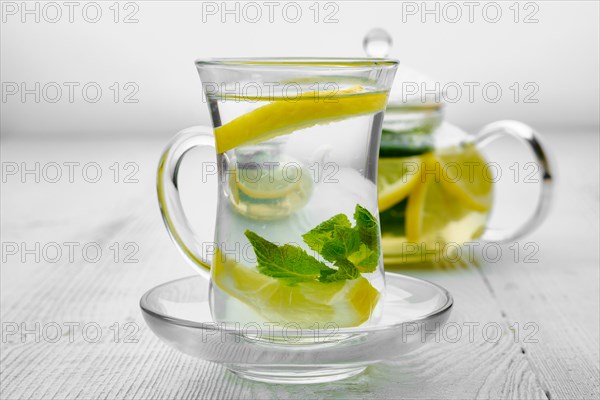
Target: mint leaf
(336,240)
(352,250)
(289,263)
(365,259)
(322,233)
(343,242)
(346,270)
(367,226)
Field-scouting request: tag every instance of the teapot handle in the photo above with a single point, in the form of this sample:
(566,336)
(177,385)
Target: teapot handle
(531,139)
(168,194)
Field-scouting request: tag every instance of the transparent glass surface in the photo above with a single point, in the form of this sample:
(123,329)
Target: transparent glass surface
(297,237)
(434,167)
(178,312)
(436,187)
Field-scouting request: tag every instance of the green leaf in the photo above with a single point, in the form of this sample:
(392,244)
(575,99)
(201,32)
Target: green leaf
(346,270)
(367,226)
(365,259)
(322,233)
(289,263)
(343,242)
(353,250)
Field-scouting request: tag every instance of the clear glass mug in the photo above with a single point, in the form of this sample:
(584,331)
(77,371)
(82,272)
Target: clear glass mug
(297,236)
(436,188)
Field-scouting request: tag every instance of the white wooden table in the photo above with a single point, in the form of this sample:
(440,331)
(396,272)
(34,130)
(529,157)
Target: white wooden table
(72,328)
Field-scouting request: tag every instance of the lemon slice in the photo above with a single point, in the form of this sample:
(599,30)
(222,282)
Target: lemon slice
(345,303)
(442,207)
(264,184)
(464,176)
(415,208)
(396,178)
(269,193)
(284,115)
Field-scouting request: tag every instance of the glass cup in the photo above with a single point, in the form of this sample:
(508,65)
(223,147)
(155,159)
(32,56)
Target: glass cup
(297,237)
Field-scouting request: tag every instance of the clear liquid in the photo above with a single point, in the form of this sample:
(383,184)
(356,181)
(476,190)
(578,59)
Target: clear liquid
(280,189)
(451,222)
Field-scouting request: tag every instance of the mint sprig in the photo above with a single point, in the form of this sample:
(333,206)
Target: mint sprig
(367,226)
(287,262)
(351,250)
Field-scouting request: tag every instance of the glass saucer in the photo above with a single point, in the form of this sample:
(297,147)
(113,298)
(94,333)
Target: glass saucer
(178,312)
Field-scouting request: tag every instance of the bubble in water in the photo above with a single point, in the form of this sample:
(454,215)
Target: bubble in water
(377,43)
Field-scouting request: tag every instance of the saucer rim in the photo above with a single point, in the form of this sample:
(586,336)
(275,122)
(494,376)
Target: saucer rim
(209,325)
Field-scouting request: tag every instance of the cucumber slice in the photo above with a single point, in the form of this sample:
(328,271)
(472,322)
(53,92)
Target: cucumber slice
(404,144)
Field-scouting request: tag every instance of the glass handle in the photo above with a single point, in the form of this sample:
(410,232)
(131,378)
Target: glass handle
(531,139)
(168,193)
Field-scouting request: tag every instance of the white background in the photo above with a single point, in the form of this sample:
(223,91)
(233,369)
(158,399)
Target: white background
(558,55)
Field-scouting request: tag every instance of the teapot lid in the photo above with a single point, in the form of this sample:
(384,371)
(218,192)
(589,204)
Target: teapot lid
(411,87)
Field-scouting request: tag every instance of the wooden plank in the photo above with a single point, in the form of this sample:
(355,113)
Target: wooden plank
(557,290)
(107,292)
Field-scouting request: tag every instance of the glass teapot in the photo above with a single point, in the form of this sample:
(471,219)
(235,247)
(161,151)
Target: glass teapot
(435,187)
